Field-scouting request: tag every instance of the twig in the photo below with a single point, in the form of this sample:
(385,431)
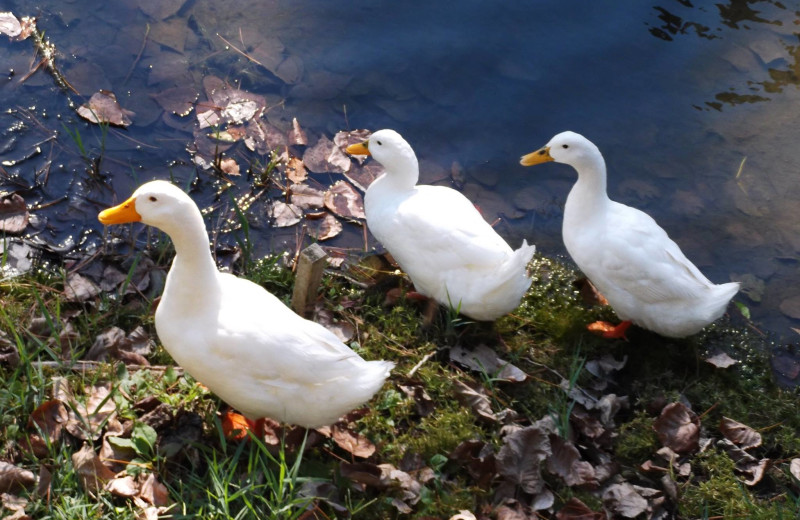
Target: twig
(422,361)
(138,56)
(232,46)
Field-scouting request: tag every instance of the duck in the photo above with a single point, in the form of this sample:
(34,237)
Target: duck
(438,237)
(630,259)
(238,339)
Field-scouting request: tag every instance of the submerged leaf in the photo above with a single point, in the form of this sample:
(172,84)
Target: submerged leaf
(325,227)
(345,201)
(284,215)
(296,170)
(103,107)
(13,214)
(306,197)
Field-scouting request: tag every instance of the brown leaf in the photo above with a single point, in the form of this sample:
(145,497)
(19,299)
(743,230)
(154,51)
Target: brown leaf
(13,214)
(284,215)
(178,100)
(296,170)
(122,486)
(14,479)
(50,418)
(364,175)
(352,442)
(344,139)
(343,329)
(306,197)
(794,468)
(678,428)
(229,166)
(297,136)
(9,355)
(92,473)
(485,360)
(94,413)
(754,471)
(720,360)
(589,293)
(326,157)
(324,228)
(345,201)
(743,436)
(423,404)
(519,459)
(262,137)
(474,395)
(103,108)
(622,499)
(478,457)
(154,492)
(566,463)
(577,510)
(78,288)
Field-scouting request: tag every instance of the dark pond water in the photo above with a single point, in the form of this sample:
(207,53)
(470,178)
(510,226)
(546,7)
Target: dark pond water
(695,106)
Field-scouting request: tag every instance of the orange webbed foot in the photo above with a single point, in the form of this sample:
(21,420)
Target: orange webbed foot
(609,330)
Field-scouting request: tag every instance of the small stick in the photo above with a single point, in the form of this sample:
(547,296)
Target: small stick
(418,365)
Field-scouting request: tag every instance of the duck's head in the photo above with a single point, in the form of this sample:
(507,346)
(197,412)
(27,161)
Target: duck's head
(390,149)
(156,203)
(566,148)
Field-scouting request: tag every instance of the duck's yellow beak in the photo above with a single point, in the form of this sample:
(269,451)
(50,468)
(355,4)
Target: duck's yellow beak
(120,214)
(358,148)
(540,156)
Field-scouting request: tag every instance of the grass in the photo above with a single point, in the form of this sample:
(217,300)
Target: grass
(210,477)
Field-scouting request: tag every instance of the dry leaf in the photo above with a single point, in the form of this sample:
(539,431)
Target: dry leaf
(479,459)
(794,468)
(474,395)
(720,360)
(463,515)
(50,418)
(13,214)
(92,473)
(78,288)
(323,228)
(103,108)
(98,409)
(14,479)
(423,404)
(519,459)
(154,492)
(122,487)
(284,215)
(352,442)
(345,201)
(739,434)
(622,499)
(566,463)
(678,428)
(485,360)
(577,510)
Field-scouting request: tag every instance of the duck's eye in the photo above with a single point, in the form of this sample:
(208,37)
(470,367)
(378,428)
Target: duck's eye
(379,143)
(153,199)
(565,146)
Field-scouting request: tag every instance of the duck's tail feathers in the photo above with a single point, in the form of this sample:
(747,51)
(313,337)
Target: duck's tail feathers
(723,293)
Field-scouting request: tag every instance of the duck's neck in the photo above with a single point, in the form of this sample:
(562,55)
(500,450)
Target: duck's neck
(401,175)
(193,269)
(588,196)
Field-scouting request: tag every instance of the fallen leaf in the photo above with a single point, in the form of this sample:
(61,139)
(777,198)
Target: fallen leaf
(50,418)
(305,197)
(235,426)
(791,307)
(326,157)
(229,166)
(423,404)
(720,360)
(94,413)
(296,170)
(352,442)
(297,136)
(622,499)
(463,515)
(478,457)
(178,100)
(794,468)
(363,176)
(122,487)
(589,293)
(92,473)
(344,139)
(13,214)
(343,329)
(323,228)
(345,201)
(485,360)
(103,107)
(519,459)
(678,428)
(566,463)
(474,396)
(78,288)
(743,436)
(14,479)
(284,215)
(574,509)
(262,137)
(154,492)
(9,25)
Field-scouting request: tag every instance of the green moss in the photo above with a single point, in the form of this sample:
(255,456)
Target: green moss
(636,441)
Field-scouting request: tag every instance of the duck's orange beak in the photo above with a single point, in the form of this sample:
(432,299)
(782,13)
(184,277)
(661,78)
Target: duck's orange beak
(358,149)
(542,155)
(120,214)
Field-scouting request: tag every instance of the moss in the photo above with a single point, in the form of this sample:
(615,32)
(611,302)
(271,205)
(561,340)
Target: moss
(636,441)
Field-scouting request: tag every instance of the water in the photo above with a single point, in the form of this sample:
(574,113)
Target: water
(693,106)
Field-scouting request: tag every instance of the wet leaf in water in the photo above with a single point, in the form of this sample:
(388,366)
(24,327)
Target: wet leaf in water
(791,307)
(170,33)
(290,70)
(103,108)
(678,428)
(363,176)
(485,360)
(305,197)
(622,499)
(742,435)
(786,365)
(13,214)
(229,166)
(345,201)
(284,215)
(297,136)
(14,478)
(720,359)
(326,157)
(344,139)
(178,100)
(9,25)
(519,459)
(92,473)
(262,137)
(160,9)
(323,228)
(752,286)
(78,288)
(296,170)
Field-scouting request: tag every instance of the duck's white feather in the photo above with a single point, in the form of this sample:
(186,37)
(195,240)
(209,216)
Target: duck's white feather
(440,239)
(643,274)
(241,341)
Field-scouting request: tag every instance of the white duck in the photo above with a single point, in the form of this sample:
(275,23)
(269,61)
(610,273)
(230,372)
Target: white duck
(439,238)
(642,273)
(238,339)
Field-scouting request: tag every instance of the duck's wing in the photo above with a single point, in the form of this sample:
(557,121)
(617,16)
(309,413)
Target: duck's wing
(638,256)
